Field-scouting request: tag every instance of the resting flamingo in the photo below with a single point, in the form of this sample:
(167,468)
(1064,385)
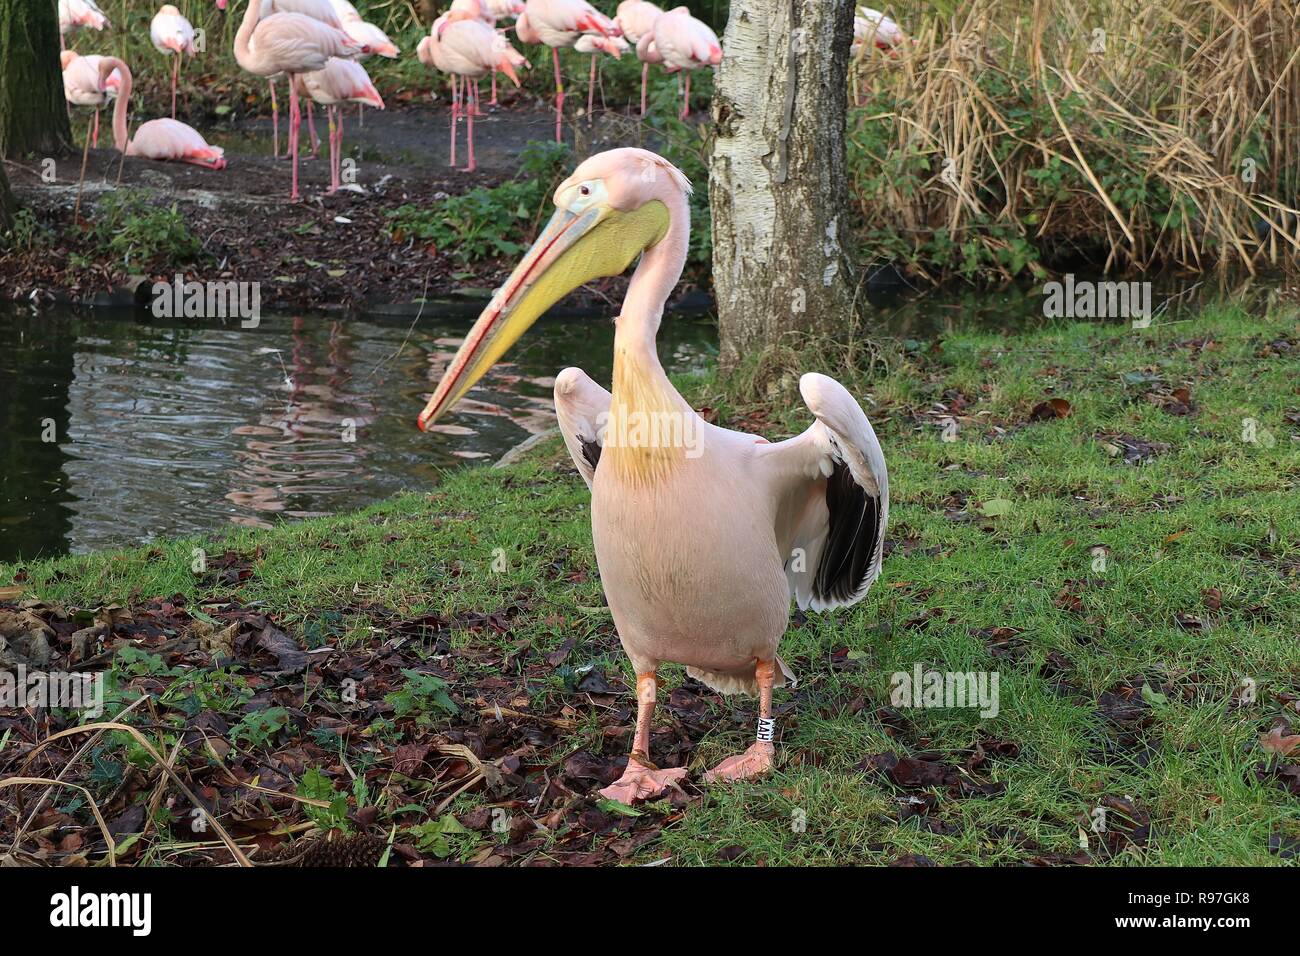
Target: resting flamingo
(162,139)
(342,81)
(871,28)
(636,18)
(289,43)
(558,23)
(466,48)
(685,44)
(83,87)
(80,14)
(596,45)
(173,36)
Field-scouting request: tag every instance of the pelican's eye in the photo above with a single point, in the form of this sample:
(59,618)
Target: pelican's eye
(583,195)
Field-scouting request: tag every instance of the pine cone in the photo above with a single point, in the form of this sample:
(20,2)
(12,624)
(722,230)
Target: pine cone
(331,849)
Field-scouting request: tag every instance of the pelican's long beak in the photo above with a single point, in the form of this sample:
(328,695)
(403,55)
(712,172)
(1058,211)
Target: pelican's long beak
(575,247)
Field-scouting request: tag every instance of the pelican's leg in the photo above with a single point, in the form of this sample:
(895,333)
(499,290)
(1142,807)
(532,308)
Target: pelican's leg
(642,779)
(758,758)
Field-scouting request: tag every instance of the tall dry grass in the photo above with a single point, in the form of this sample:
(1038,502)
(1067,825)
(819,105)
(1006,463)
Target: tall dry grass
(1014,134)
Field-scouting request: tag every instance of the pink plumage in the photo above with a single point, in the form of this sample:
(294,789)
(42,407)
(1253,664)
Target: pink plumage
(684,42)
(637,18)
(84,14)
(173,141)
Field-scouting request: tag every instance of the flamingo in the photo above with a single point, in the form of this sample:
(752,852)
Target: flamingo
(489,11)
(323,10)
(703,536)
(83,87)
(172,35)
(872,27)
(636,18)
(685,44)
(467,48)
(80,14)
(342,81)
(595,45)
(558,23)
(290,43)
(166,140)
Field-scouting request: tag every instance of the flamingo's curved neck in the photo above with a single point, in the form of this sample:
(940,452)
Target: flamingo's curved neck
(245,32)
(121,135)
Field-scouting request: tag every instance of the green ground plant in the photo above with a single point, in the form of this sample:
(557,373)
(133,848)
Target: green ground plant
(1128,563)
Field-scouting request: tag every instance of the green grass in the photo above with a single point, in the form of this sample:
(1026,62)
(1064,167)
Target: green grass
(1210,512)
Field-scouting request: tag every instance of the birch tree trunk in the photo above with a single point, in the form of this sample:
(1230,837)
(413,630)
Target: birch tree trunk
(777,182)
(33,114)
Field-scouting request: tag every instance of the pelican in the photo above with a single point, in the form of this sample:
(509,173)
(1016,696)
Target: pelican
(702,535)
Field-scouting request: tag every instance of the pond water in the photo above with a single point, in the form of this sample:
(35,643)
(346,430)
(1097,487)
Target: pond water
(116,428)
(115,431)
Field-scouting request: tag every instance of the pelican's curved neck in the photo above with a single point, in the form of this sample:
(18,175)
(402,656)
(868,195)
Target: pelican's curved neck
(644,403)
(652,283)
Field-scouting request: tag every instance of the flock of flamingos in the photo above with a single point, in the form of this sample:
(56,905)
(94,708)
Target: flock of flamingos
(316,44)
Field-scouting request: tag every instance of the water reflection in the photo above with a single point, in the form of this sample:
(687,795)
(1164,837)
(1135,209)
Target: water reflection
(157,430)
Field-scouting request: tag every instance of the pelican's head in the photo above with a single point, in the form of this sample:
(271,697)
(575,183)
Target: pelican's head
(614,207)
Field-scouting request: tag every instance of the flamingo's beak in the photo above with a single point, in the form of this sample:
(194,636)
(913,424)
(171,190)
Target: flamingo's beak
(575,247)
(506,67)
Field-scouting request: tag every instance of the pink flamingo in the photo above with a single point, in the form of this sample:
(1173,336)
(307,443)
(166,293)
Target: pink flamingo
(595,45)
(489,11)
(82,85)
(365,33)
(289,43)
(342,81)
(467,48)
(172,35)
(559,23)
(80,14)
(685,44)
(874,28)
(162,139)
(636,18)
(326,11)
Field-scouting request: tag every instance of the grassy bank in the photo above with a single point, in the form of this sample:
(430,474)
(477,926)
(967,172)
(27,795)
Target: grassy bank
(1129,570)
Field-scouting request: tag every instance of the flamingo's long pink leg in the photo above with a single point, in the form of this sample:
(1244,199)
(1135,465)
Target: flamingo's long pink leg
(275,122)
(591,88)
(295,130)
(95,139)
(334,148)
(311,130)
(338,166)
(559,96)
(176,69)
(478,111)
(645,75)
(455,108)
(686,100)
(493,101)
(473,92)
(361,115)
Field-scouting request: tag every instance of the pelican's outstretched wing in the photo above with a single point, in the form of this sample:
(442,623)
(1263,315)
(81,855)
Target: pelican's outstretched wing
(832,499)
(582,407)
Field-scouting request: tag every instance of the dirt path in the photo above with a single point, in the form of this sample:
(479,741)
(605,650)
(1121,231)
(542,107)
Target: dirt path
(326,252)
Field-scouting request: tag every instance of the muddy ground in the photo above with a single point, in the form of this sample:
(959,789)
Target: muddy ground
(328,252)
